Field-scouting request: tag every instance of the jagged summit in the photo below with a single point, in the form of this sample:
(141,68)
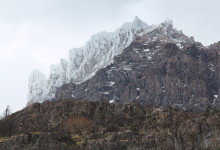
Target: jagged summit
(100,50)
(57,77)
(136,25)
(167,23)
(36,87)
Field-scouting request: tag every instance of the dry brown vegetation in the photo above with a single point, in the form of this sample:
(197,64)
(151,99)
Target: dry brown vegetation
(76,124)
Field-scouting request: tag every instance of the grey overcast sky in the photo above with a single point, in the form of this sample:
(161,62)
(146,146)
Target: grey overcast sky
(37,33)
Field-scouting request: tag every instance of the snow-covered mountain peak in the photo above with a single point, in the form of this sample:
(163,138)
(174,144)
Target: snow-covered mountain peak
(167,23)
(138,24)
(99,52)
(36,86)
(134,27)
(136,18)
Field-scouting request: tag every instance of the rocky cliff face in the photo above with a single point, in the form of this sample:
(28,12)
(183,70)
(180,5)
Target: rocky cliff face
(163,67)
(153,65)
(99,52)
(75,125)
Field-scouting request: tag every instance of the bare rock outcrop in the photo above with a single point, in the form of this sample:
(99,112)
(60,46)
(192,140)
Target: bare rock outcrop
(76,125)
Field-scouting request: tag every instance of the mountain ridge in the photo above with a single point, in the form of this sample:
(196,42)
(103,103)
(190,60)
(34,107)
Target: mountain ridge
(98,53)
(160,68)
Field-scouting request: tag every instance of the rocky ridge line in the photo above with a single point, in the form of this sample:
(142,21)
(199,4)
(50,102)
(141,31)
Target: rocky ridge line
(98,53)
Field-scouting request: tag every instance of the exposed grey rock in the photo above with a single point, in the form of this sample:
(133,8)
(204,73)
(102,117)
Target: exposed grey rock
(157,74)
